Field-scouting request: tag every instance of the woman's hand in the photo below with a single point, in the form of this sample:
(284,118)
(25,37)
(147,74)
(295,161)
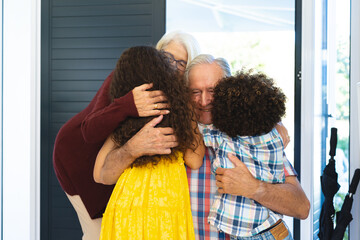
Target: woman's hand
(149,103)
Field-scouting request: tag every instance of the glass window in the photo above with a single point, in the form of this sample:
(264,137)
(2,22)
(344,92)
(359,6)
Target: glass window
(250,33)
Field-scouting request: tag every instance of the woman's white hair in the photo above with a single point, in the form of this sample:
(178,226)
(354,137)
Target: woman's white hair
(190,44)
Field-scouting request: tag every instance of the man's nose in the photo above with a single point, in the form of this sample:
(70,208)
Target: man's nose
(205,99)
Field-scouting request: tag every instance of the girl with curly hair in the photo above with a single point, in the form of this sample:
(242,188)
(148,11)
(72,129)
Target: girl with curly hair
(245,109)
(151,198)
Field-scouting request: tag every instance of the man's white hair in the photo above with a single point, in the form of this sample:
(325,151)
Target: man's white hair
(208,59)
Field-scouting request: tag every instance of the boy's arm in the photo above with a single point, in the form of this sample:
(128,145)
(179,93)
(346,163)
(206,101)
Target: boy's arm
(283,133)
(286,198)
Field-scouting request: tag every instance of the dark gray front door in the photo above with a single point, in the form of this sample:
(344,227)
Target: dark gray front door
(81,41)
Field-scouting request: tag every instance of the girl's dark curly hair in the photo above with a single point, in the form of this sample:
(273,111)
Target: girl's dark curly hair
(140,65)
(247,104)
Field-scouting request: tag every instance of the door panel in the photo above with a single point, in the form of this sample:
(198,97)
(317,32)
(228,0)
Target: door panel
(81,42)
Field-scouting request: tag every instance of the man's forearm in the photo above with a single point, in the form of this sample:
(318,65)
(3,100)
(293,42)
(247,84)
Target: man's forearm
(111,163)
(287,198)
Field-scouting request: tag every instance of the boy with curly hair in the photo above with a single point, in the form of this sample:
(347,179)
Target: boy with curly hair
(245,110)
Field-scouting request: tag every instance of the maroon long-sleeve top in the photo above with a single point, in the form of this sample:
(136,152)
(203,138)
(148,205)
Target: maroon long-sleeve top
(79,141)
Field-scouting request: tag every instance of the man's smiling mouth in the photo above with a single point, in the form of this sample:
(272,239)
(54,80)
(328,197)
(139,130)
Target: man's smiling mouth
(205,110)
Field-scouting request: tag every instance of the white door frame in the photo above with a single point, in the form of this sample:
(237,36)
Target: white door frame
(20,124)
(307,110)
(355,112)
(309,49)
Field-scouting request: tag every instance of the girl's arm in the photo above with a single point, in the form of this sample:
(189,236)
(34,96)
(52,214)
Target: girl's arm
(107,171)
(194,159)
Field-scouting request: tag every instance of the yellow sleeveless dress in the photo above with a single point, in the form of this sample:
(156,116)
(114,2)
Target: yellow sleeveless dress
(150,202)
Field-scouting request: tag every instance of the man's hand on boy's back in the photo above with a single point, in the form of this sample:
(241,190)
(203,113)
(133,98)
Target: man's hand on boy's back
(287,198)
(236,181)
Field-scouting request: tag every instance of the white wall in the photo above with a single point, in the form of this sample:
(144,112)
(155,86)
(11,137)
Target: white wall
(21,95)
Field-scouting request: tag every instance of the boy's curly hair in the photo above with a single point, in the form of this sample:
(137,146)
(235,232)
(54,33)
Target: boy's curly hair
(140,65)
(247,104)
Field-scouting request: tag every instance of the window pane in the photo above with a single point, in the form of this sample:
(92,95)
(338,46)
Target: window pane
(248,33)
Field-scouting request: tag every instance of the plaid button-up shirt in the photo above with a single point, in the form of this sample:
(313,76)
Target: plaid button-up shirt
(264,156)
(202,185)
